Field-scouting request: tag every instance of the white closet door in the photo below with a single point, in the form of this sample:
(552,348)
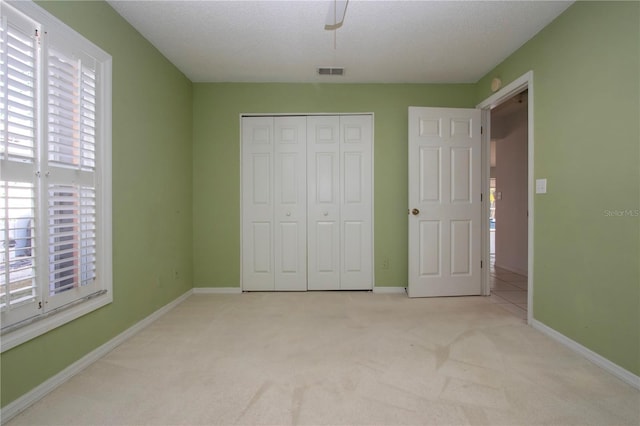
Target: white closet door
(307,203)
(356,136)
(290,218)
(323,174)
(257,203)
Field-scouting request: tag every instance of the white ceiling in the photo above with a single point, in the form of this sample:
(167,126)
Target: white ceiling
(380,41)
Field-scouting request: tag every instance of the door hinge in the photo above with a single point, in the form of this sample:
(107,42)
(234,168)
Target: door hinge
(481,130)
(481,264)
(481,197)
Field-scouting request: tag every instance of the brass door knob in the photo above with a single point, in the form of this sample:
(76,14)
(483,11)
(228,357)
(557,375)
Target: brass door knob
(415,212)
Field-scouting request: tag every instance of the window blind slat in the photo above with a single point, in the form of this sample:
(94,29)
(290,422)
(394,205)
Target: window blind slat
(17,222)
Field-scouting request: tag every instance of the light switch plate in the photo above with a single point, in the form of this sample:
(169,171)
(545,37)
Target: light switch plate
(541,186)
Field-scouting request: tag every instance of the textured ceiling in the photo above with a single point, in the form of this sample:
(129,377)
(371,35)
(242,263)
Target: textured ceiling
(380,41)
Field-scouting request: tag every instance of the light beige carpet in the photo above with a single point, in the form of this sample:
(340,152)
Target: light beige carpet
(339,358)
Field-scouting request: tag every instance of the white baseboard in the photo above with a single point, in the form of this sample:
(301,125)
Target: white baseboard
(511,269)
(389,290)
(16,407)
(624,375)
(217,290)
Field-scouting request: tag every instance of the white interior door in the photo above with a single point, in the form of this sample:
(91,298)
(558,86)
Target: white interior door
(356,136)
(444,202)
(323,195)
(290,189)
(339,206)
(257,204)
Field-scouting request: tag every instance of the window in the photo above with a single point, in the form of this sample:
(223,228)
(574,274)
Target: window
(55,174)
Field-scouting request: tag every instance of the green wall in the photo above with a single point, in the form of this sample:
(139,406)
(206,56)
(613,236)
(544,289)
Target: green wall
(152,198)
(587,144)
(216,162)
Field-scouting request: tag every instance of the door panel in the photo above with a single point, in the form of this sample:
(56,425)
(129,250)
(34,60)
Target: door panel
(356,200)
(261,178)
(429,246)
(353,185)
(290,248)
(325,178)
(353,250)
(461,175)
(323,144)
(327,233)
(429,179)
(257,203)
(290,203)
(261,232)
(444,190)
(461,239)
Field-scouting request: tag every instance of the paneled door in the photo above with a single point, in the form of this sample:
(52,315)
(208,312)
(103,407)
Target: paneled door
(339,170)
(444,202)
(323,208)
(307,203)
(356,135)
(290,218)
(274,203)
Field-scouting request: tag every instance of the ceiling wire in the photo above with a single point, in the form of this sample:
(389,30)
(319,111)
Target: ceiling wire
(335,19)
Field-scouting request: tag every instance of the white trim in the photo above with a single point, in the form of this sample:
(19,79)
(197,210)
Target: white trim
(35,329)
(507,92)
(511,269)
(485,172)
(77,41)
(389,290)
(37,13)
(16,407)
(523,82)
(624,375)
(217,290)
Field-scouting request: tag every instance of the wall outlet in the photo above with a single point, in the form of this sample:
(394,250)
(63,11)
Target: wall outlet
(385,263)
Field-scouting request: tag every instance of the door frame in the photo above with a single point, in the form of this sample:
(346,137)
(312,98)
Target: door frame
(309,114)
(516,86)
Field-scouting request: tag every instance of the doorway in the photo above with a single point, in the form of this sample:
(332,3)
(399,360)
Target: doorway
(508,204)
(507,116)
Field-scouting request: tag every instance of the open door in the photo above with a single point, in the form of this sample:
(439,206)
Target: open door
(445,206)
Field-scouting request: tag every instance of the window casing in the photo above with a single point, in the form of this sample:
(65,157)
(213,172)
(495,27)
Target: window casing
(55,173)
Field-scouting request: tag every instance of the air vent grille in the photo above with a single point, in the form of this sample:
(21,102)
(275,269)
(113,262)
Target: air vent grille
(330,71)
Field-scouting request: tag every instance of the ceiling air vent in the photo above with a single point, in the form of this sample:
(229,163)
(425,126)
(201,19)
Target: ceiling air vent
(330,71)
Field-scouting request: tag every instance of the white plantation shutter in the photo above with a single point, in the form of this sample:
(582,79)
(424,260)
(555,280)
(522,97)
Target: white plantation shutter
(19,292)
(55,173)
(71,165)
(19,52)
(72,111)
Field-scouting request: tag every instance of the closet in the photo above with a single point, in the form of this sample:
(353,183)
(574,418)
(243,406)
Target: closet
(307,202)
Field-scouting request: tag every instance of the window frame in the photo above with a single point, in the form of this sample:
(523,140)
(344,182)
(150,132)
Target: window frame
(21,332)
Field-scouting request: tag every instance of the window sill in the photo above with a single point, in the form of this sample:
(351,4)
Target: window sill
(37,328)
